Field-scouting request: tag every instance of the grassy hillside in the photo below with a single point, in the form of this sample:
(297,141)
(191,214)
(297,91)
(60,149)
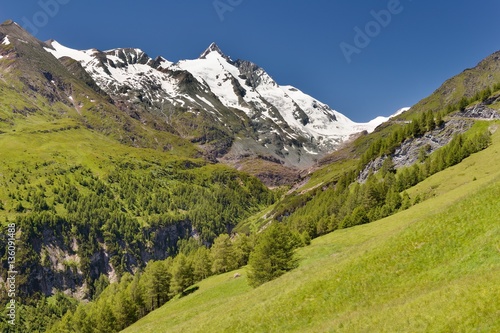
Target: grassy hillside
(90,193)
(36,151)
(465,84)
(432,268)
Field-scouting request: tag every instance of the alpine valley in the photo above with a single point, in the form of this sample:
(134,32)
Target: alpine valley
(146,195)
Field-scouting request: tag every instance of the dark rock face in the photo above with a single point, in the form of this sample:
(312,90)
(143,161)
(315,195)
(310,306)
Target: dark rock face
(60,266)
(481,111)
(249,72)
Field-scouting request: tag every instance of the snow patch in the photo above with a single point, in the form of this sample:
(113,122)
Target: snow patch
(60,51)
(400,111)
(164,63)
(219,74)
(374,123)
(205,100)
(310,152)
(6,40)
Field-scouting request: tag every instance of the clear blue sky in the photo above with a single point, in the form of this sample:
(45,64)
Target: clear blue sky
(296,42)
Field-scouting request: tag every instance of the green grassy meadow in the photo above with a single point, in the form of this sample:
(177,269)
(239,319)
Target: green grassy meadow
(432,268)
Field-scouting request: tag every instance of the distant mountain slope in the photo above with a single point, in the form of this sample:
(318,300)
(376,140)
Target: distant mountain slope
(232,111)
(252,114)
(36,87)
(464,85)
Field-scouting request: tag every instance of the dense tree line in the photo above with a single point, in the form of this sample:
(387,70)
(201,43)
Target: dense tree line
(273,254)
(40,315)
(420,124)
(481,96)
(348,203)
(269,255)
(127,212)
(121,304)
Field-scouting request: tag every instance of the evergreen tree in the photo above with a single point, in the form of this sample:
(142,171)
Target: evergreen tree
(223,256)
(100,284)
(439,120)
(393,200)
(157,283)
(463,103)
(431,123)
(387,166)
(359,216)
(105,319)
(136,292)
(242,248)
(125,310)
(416,128)
(82,320)
(485,94)
(422,154)
(406,201)
(201,264)
(273,255)
(65,325)
(182,276)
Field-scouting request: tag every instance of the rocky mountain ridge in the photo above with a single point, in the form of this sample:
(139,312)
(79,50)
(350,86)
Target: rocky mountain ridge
(255,115)
(231,110)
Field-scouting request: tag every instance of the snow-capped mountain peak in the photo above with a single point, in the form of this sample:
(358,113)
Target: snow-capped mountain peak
(281,121)
(213,47)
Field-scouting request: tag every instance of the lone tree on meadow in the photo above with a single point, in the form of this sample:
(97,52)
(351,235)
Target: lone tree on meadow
(273,255)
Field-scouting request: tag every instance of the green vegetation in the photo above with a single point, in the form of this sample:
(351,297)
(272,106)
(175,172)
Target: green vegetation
(84,193)
(433,267)
(135,296)
(347,203)
(37,318)
(273,255)
(95,194)
(387,145)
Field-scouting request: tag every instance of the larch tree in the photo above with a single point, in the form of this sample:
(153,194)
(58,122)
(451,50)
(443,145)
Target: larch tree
(273,255)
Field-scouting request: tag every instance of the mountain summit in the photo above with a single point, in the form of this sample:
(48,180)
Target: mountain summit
(213,48)
(233,111)
(241,113)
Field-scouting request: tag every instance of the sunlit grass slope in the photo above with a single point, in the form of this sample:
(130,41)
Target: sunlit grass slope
(432,268)
(39,152)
